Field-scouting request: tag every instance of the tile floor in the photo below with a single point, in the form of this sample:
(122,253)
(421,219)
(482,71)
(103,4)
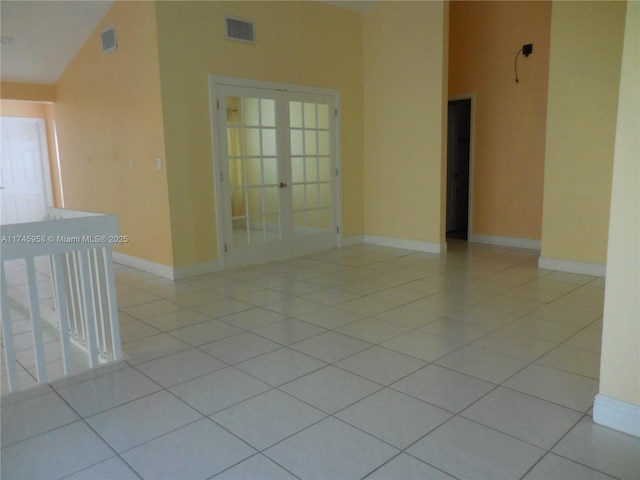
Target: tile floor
(363,362)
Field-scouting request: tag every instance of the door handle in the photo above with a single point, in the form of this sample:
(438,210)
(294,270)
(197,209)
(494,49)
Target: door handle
(283,185)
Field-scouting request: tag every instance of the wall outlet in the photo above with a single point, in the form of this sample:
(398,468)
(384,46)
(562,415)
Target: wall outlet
(131,165)
(527,49)
(159,163)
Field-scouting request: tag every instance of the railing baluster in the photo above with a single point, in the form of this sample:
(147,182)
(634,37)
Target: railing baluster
(113,303)
(7,333)
(100,309)
(63,313)
(36,321)
(83,286)
(89,312)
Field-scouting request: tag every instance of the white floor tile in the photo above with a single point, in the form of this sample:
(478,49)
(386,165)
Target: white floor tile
(405,466)
(603,449)
(280,366)
(381,365)
(141,420)
(151,309)
(253,318)
(255,467)
(54,454)
(445,388)
(111,469)
(575,360)
(405,418)
(239,348)
(268,418)
(468,450)
(456,329)
(205,332)
(553,466)
(530,419)
(328,317)
(180,367)
(331,449)
(330,389)
(491,366)
(107,391)
(34,416)
(527,348)
(219,390)
(150,348)
(330,347)
(178,319)
(197,451)
(372,330)
(422,345)
(288,331)
(408,317)
(564,388)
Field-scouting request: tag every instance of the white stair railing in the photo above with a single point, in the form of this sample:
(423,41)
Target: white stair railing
(84,311)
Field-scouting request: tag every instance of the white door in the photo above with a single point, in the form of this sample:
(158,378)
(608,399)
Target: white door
(25,184)
(277,172)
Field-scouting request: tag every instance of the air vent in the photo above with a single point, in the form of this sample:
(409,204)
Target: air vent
(109,40)
(241,30)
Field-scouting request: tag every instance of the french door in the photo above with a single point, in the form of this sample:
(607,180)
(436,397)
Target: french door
(277,172)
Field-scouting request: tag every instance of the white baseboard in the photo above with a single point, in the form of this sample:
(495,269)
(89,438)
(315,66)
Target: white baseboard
(517,242)
(144,265)
(621,416)
(196,269)
(418,245)
(172,273)
(350,241)
(570,266)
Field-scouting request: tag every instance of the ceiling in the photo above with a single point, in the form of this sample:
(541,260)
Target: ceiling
(39,38)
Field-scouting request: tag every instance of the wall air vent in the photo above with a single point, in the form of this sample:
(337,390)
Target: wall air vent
(109,39)
(241,30)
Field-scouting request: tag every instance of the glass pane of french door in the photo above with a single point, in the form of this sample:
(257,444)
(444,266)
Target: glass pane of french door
(253,170)
(311,167)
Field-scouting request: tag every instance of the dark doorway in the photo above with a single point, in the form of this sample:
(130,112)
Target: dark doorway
(458,144)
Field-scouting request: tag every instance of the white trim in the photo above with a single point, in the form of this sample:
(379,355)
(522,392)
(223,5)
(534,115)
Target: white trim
(144,265)
(571,266)
(350,241)
(616,414)
(172,273)
(516,242)
(418,245)
(196,269)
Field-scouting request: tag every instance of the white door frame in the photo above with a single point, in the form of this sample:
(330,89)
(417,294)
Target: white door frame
(472,98)
(44,152)
(217,80)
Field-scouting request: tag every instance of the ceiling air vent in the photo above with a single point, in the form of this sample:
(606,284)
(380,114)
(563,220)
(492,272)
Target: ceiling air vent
(109,40)
(241,30)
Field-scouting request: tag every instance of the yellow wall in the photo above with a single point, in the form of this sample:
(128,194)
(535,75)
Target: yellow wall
(108,112)
(620,361)
(30,109)
(307,43)
(33,92)
(584,77)
(405,91)
(510,118)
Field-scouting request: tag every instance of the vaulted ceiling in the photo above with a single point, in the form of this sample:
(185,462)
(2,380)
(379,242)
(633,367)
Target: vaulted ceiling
(39,38)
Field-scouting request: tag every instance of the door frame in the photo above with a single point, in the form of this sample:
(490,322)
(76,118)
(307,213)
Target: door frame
(215,81)
(472,111)
(44,152)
